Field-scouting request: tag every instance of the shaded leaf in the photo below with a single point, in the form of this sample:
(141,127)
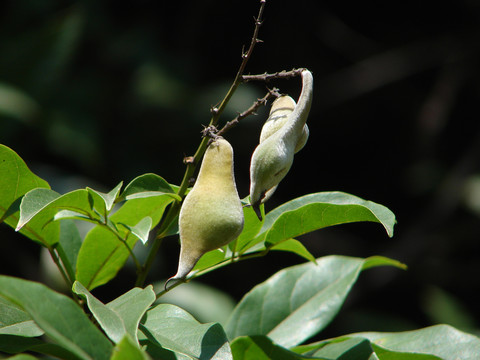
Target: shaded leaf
(127,349)
(15,321)
(261,348)
(173,328)
(298,302)
(69,245)
(16,103)
(12,344)
(22,357)
(445,308)
(58,316)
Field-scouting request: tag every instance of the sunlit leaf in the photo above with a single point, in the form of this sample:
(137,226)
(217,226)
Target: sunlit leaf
(131,307)
(108,319)
(16,180)
(298,302)
(142,229)
(148,185)
(443,341)
(294,246)
(316,211)
(109,198)
(102,253)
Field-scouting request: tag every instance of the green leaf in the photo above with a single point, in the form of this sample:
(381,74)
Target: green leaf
(15,321)
(108,199)
(142,229)
(131,307)
(445,308)
(127,349)
(11,344)
(316,211)
(357,348)
(148,185)
(39,207)
(102,254)
(443,341)
(261,348)
(45,203)
(72,215)
(294,246)
(22,357)
(108,319)
(205,303)
(69,245)
(298,302)
(385,354)
(251,225)
(122,315)
(212,258)
(58,316)
(16,180)
(174,329)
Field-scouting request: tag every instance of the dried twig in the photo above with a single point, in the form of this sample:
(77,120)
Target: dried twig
(251,110)
(278,75)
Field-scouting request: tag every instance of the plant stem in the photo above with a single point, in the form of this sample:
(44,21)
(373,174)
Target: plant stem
(213,267)
(60,267)
(192,164)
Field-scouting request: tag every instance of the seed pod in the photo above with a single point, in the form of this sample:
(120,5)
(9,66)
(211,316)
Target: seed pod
(211,215)
(284,133)
(281,108)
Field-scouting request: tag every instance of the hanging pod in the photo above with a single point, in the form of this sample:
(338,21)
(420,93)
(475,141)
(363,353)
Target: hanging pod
(284,133)
(211,215)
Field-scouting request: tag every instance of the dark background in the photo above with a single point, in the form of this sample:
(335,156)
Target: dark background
(104,91)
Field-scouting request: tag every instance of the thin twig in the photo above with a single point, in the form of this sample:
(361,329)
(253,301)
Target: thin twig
(174,209)
(251,110)
(213,267)
(278,75)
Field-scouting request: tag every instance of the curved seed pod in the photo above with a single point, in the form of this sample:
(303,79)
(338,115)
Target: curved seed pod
(281,108)
(273,157)
(211,215)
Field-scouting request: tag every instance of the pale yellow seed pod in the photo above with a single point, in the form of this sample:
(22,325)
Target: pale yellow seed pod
(280,110)
(284,134)
(211,215)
